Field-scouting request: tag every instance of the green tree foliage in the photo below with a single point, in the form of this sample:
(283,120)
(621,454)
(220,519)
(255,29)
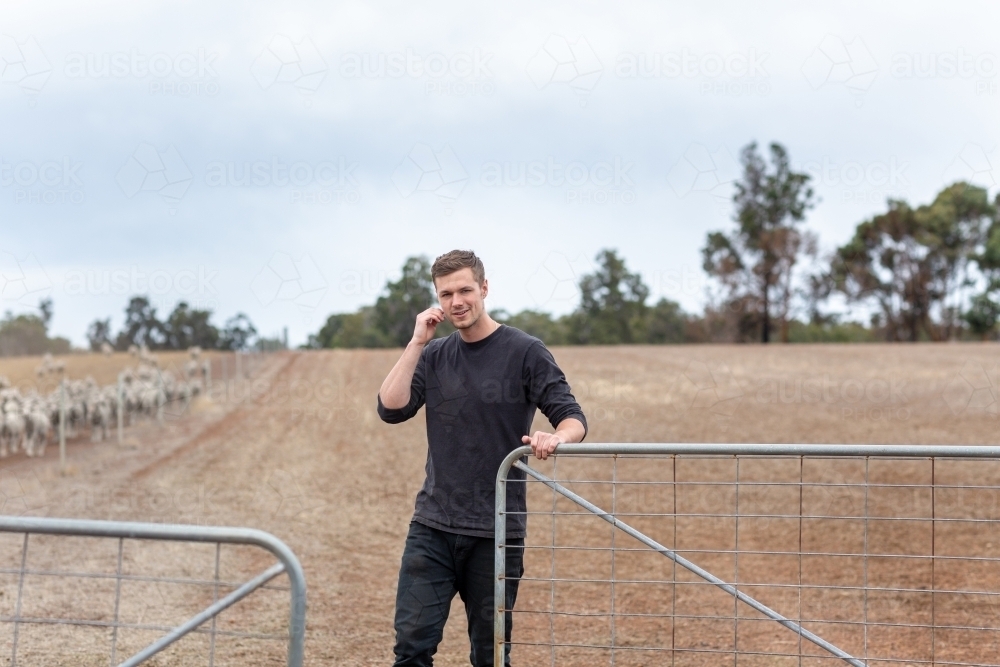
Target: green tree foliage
(612,307)
(353,330)
(913,263)
(541,325)
(99,333)
(28,333)
(982,315)
(666,323)
(389,323)
(985,311)
(187,327)
(141,327)
(755,263)
(396,311)
(612,310)
(45,311)
(237,334)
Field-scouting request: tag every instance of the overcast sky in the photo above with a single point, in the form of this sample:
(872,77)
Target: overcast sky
(283,159)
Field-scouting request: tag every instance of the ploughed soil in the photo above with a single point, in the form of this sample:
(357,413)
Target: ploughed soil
(296,449)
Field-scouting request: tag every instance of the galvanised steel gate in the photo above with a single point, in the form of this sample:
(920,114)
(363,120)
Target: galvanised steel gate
(121,530)
(856,554)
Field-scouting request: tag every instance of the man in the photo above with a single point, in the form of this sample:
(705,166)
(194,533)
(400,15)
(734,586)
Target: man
(481,386)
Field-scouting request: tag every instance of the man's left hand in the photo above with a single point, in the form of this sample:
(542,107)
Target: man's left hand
(542,443)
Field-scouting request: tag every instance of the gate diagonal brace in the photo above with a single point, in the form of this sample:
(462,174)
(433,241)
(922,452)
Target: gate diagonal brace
(685,563)
(207,614)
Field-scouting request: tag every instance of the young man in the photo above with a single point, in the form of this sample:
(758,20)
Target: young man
(481,386)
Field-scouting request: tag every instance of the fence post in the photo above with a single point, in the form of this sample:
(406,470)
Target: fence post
(121,405)
(62,425)
(159,397)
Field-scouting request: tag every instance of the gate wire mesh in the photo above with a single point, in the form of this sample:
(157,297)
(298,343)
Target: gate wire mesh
(77,594)
(893,558)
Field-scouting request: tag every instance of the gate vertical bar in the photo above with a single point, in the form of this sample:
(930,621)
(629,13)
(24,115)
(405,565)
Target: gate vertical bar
(215,598)
(20,595)
(933,569)
(736,569)
(552,572)
(865,561)
(499,563)
(801,512)
(673,566)
(614,531)
(118,597)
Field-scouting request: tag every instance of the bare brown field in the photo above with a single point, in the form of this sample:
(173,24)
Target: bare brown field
(104,369)
(299,452)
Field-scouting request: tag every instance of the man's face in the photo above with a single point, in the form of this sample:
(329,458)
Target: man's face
(461,298)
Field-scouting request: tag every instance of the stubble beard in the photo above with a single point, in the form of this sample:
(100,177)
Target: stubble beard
(470,323)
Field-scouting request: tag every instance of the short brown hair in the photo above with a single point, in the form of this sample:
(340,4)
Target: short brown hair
(453,261)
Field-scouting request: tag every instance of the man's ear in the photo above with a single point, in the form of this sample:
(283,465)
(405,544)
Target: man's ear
(486,287)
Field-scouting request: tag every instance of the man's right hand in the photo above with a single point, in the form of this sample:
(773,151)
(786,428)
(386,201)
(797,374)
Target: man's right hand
(427,321)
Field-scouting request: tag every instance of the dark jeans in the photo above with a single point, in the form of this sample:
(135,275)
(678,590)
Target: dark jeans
(436,565)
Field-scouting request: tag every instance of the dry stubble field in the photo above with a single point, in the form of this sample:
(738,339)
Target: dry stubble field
(298,451)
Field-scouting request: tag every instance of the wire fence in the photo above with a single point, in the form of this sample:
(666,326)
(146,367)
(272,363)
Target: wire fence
(63,599)
(756,555)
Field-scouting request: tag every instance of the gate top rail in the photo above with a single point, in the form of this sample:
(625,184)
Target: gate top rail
(185,533)
(772,449)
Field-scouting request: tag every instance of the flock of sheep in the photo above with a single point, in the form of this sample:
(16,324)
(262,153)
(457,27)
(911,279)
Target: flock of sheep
(28,420)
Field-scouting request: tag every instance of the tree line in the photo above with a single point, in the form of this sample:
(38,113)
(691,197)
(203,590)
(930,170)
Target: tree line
(926,272)
(28,333)
(183,328)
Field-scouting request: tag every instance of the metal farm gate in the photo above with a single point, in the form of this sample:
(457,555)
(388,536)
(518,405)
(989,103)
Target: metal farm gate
(16,617)
(707,554)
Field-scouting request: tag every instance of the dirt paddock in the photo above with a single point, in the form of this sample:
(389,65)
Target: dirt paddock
(298,451)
